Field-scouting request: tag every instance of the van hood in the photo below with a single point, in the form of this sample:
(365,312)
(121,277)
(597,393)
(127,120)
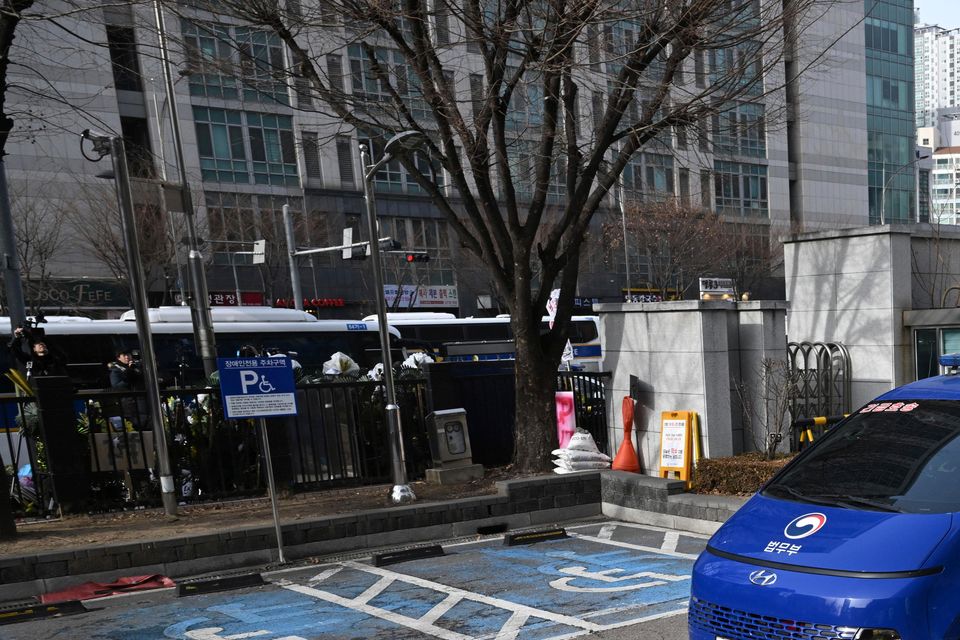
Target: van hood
(836,538)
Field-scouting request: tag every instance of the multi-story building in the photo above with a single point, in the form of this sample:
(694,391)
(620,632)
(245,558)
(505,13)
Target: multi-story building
(937,57)
(255,141)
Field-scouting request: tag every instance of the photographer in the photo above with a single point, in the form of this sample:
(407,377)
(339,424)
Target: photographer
(125,372)
(125,375)
(33,353)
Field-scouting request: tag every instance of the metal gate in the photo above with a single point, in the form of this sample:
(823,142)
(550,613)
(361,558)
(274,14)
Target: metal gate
(823,374)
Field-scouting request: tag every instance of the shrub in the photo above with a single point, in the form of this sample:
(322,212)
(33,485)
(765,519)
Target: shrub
(738,475)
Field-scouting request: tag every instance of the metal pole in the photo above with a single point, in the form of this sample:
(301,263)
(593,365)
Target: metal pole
(883,191)
(626,250)
(401,489)
(291,257)
(176,253)
(139,293)
(273,490)
(13,285)
(200,304)
(236,280)
(13,288)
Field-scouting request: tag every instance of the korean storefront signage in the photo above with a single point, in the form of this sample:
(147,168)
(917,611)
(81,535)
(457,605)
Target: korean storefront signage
(439,295)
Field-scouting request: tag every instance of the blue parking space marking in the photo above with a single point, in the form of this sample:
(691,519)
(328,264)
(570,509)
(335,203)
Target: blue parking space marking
(603,576)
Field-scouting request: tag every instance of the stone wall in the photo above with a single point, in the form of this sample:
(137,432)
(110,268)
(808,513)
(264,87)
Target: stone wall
(688,356)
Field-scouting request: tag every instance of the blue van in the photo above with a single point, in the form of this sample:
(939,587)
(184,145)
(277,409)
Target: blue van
(857,538)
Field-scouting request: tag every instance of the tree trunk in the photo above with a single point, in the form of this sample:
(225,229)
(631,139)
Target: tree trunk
(535,380)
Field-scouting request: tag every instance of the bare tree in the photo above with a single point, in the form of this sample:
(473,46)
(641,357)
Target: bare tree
(39,234)
(533,136)
(765,404)
(681,243)
(95,221)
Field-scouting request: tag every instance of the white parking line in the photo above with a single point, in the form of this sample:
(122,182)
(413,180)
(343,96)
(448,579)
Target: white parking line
(670,540)
(635,547)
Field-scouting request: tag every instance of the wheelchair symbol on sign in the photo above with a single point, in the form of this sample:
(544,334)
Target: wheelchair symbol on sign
(575,576)
(251,378)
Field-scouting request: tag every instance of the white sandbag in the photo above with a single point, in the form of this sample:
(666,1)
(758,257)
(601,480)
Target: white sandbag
(562,470)
(587,466)
(580,465)
(585,456)
(582,441)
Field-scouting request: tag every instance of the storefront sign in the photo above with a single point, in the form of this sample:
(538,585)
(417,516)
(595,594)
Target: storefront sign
(310,303)
(77,294)
(439,295)
(229,298)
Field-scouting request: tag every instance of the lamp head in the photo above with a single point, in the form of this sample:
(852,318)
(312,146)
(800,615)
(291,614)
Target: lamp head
(404,141)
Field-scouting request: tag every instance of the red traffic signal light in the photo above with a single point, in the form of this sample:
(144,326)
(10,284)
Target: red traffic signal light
(417,256)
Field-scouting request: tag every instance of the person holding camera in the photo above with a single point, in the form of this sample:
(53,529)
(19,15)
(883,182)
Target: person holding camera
(37,358)
(125,375)
(125,372)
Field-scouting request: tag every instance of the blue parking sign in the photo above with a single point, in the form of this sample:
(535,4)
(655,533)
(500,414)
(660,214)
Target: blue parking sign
(257,387)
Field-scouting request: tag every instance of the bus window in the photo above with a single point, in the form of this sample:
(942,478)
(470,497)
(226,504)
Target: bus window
(488,332)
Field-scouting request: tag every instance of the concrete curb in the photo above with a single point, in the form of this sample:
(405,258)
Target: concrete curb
(518,504)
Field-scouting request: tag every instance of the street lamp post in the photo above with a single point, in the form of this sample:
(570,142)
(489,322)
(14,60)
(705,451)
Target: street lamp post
(404,142)
(200,303)
(115,148)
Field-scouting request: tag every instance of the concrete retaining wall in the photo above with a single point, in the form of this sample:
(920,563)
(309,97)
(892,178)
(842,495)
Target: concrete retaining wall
(519,504)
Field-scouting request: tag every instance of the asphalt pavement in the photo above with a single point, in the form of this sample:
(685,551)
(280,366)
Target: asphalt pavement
(605,578)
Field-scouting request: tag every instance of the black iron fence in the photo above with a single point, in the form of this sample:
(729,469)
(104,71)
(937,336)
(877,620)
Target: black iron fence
(102,442)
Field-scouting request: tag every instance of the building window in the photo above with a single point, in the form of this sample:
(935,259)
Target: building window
(221,56)
(123,58)
(367,85)
(311,157)
(271,149)
(392,176)
(741,189)
(136,142)
(685,187)
(740,129)
(220,145)
(345,155)
(420,234)
(261,65)
(222,135)
(210,60)
(649,176)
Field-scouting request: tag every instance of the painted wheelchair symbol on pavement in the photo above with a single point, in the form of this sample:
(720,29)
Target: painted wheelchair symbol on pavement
(609,576)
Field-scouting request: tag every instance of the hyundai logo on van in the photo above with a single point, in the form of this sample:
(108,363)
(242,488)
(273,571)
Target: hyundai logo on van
(805,525)
(763,578)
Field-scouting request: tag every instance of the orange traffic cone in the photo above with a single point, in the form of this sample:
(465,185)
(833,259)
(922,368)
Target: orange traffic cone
(626,458)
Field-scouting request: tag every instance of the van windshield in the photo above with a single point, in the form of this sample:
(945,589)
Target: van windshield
(902,456)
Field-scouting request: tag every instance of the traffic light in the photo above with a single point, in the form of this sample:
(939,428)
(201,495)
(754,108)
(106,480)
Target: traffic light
(417,256)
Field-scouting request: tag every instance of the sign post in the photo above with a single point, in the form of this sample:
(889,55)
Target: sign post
(259,388)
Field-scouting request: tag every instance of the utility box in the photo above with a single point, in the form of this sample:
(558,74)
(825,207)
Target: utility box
(450,448)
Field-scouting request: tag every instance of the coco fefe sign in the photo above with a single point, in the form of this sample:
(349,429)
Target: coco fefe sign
(257,387)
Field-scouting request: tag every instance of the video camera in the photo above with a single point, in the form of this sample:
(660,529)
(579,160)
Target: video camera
(30,329)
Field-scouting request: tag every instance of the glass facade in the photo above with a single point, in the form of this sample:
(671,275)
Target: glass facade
(890,111)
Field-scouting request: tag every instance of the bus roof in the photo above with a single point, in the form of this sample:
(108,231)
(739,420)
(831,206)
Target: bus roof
(414,315)
(225,314)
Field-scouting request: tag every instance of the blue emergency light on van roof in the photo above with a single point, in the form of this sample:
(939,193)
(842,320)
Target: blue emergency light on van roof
(950,360)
